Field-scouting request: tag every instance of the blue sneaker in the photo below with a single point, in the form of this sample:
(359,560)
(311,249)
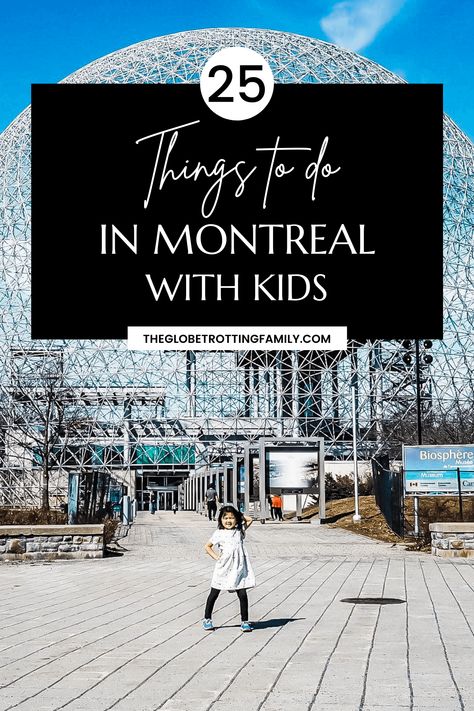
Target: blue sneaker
(207,625)
(246,627)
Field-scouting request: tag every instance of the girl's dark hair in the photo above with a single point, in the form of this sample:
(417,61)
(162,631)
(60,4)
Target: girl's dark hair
(238,516)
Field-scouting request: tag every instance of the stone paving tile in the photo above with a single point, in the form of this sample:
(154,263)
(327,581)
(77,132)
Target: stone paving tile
(125,633)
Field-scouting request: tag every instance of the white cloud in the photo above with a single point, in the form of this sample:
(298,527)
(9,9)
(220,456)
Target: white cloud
(355,23)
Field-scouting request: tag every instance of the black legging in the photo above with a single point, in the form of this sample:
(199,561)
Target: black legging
(211,509)
(243,599)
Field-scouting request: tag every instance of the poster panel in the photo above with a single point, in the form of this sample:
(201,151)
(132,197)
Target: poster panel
(292,470)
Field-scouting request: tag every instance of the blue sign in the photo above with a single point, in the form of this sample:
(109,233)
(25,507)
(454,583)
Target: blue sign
(433,468)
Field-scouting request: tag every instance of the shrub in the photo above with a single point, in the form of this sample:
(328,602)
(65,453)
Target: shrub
(342,487)
(31,517)
(110,526)
(436,509)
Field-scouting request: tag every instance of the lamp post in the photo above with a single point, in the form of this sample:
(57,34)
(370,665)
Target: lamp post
(418,393)
(418,427)
(427,359)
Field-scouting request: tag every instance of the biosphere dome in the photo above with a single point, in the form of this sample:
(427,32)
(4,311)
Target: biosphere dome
(167,413)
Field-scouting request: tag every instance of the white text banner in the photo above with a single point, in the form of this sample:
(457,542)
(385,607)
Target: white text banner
(237,338)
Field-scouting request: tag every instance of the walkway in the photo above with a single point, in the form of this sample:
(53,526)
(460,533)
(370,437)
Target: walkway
(124,633)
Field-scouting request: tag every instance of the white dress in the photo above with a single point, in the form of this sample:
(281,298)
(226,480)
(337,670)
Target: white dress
(233,570)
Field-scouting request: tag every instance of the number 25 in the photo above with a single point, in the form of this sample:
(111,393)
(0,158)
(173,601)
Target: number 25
(244,81)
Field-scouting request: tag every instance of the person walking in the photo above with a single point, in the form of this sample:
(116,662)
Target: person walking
(270,503)
(175,507)
(233,571)
(211,501)
(277,506)
(152,505)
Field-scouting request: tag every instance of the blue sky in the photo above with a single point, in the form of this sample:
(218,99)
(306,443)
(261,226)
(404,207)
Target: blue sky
(422,40)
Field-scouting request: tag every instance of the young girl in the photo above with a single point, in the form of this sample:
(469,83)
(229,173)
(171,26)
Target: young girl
(233,571)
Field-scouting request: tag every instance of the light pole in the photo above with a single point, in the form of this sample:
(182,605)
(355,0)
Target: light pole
(427,359)
(418,393)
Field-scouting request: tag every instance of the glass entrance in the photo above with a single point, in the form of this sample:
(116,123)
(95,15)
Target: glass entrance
(145,500)
(163,489)
(165,500)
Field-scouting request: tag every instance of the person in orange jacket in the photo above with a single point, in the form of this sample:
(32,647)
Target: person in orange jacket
(277,507)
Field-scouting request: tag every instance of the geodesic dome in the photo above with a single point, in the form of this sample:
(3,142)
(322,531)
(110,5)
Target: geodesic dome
(183,409)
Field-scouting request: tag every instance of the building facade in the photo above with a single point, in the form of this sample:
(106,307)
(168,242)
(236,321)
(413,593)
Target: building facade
(151,417)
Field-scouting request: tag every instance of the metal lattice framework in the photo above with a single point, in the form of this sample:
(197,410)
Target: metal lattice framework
(179,410)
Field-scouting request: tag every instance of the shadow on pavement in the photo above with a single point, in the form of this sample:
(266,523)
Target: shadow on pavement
(373,600)
(336,517)
(264,624)
(277,622)
(111,553)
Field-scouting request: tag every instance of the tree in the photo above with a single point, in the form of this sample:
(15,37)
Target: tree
(41,413)
(455,427)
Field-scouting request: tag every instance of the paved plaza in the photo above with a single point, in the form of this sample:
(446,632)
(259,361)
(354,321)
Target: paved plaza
(124,633)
